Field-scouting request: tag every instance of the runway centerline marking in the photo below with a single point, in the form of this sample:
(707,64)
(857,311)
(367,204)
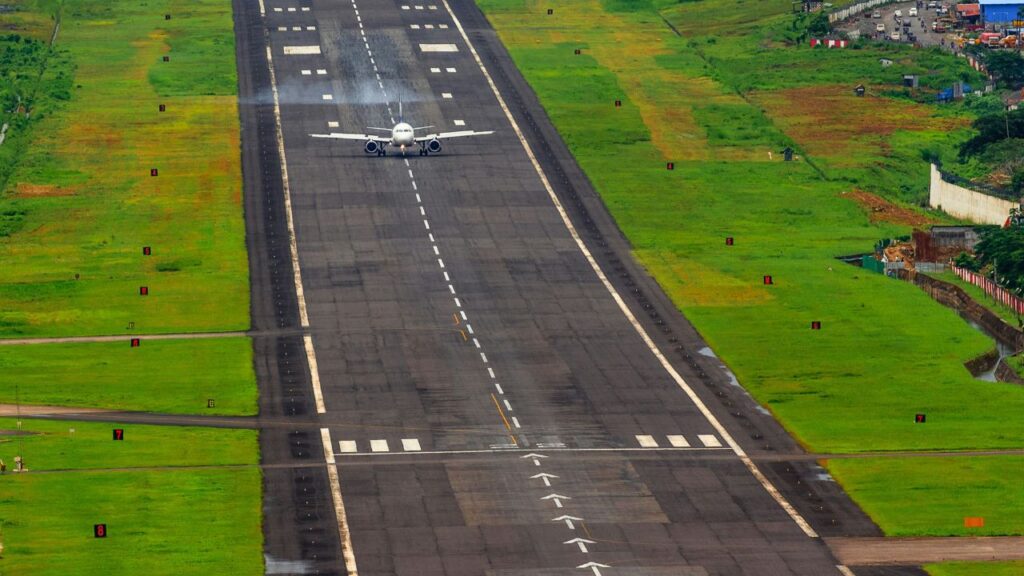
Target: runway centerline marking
(640,330)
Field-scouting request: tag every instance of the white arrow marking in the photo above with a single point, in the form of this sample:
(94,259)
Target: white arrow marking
(581,542)
(544,476)
(594,566)
(536,457)
(568,521)
(558,499)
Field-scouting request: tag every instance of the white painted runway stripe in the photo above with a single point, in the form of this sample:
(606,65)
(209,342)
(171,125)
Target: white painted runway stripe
(678,441)
(379,446)
(332,124)
(446,95)
(410,445)
(306,72)
(647,441)
(709,440)
(301,50)
(438,48)
(705,411)
(347,446)
(459,122)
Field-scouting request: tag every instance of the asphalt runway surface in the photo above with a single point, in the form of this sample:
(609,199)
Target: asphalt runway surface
(487,403)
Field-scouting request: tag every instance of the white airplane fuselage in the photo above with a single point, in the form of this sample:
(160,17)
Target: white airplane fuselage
(402,135)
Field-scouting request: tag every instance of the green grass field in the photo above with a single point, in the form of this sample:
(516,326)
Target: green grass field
(174,376)
(77,209)
(83,195)
(886,351)
(976,569)
(159,521)
(51,445)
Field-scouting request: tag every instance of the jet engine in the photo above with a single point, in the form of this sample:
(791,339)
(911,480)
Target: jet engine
(371,147)
(434,146)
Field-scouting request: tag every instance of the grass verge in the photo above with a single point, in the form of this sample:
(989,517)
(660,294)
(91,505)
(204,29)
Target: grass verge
(173,376)
(83,195)
(159,521)
(886,351)
(976,569)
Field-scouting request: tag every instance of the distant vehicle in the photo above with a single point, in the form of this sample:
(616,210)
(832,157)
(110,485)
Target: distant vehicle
(880,27)
(933,4)
(402,136)
(876,14)
(898,14)
(912,12)
(895,36)
(943,11)
(938,27)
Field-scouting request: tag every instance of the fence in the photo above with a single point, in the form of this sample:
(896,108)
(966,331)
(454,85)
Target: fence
(857,9)
(1001,294)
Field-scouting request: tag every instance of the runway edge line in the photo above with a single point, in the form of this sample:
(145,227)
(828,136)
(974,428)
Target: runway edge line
(332,470)
(772,490)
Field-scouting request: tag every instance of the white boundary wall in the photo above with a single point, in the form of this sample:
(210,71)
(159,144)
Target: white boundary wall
(967,204)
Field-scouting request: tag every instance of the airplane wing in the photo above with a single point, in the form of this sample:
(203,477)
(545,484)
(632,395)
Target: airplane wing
(360,137)
(446,135)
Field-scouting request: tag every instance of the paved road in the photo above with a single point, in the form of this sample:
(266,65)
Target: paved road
(920,26)
(455,324)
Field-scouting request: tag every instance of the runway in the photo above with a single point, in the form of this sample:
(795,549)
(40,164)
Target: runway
(498,388)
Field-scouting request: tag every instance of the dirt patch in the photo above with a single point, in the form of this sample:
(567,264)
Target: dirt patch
(26,190)
(881,210)
(831,122)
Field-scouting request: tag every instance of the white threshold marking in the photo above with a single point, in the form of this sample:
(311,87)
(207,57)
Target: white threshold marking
(414,26)
(435,70)
(328,97)
(296,28)
(705,411)
(410,445)
(560,447)
(282,28)
(709,440)
(438,48)
(291,9)
(446,95)
(450,70)
(332,124)
(347,446)
(428,26)
(310,28)
(307,72)
(305,8)
(647,441)
(301,50)
(321,71)
(379,446)
(459,122)
(677,441)
(278,10)
(442,26)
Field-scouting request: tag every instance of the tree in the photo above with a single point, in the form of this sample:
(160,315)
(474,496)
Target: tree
(1002,249)
(993,128)
(1007,67)
(819,25)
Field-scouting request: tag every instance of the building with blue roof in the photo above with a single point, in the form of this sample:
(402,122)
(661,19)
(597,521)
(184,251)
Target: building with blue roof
(1001,11)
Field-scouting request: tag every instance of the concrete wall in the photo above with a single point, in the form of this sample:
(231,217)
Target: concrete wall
(967,204)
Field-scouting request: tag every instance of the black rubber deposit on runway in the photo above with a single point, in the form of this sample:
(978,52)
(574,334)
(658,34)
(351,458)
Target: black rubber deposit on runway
(402,370)
(299,526)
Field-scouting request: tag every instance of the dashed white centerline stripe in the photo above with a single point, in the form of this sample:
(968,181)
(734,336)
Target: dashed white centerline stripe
(491,372)
(498,388)
(515,422)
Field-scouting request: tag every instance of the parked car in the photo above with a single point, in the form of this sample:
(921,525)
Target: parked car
(912,12)
(898,14)
(876,14)
(879,27)
(895,36)
(933,4)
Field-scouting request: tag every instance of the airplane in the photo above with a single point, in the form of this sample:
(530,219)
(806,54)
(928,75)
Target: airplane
(402,135)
